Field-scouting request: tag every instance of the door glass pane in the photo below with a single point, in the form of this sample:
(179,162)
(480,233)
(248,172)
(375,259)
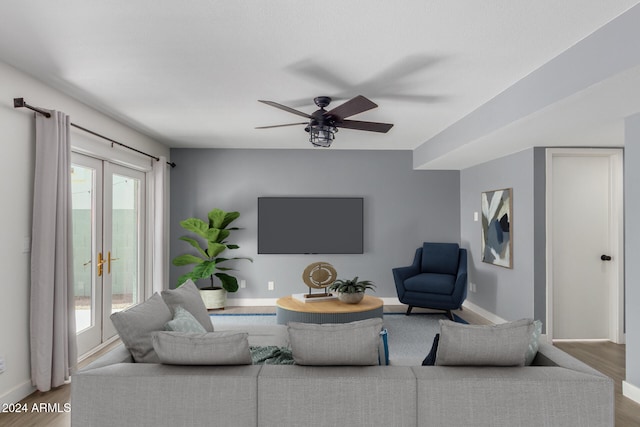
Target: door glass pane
(125,252)
(83,209)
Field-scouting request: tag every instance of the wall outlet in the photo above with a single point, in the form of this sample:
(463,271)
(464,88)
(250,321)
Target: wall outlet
(271,285)
(472,287)
(243,283)
(475,216)
(3,367)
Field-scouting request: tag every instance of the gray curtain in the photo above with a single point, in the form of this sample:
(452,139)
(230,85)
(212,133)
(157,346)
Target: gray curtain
(53,336)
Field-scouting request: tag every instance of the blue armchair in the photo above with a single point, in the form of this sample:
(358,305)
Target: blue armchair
(436,279)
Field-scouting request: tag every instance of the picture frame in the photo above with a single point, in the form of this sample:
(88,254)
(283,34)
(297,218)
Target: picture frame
(497,227)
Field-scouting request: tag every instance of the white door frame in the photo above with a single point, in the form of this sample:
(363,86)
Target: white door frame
(616,234)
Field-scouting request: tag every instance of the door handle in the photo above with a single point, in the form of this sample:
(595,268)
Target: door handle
(109,259)
(605,258)
(101,262)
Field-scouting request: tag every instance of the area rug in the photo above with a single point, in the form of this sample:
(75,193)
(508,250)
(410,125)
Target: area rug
(409,337)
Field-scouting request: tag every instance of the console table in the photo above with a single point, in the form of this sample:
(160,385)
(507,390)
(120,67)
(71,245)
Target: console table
(289,309)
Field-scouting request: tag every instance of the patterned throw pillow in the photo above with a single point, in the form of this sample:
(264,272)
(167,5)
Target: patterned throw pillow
(183,321)
(532,350)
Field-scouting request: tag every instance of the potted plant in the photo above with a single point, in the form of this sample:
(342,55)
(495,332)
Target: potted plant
(351,291)
(210,243)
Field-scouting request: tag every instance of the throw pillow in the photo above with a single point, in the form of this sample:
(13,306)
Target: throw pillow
(354,343)
(188,297)
(183,321)
(534,343)
(483,345)
(430,360)
(136,324)
(210,348)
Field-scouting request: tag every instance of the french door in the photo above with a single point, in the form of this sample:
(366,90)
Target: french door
(108,245)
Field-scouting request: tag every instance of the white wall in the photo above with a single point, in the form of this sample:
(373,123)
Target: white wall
(17,145)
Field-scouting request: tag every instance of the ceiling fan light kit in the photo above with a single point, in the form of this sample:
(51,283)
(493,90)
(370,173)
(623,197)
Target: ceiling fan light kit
(323,124)
(321,135)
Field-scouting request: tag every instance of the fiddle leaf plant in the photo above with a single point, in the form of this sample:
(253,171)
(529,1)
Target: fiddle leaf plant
(209,243)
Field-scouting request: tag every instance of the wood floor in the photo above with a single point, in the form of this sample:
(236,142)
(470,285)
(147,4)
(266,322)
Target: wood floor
(606,357)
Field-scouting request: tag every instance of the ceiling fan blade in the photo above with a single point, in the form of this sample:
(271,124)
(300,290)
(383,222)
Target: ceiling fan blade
(285,108)
(280,126)
(368,126)
(312,69)
(352,107)
(426,99)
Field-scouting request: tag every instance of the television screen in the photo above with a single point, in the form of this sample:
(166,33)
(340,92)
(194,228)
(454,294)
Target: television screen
(310,225)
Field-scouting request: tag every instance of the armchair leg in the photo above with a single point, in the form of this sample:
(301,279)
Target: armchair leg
(409,310)
(450,315)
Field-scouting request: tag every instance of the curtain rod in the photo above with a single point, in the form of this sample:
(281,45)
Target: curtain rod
(20,103)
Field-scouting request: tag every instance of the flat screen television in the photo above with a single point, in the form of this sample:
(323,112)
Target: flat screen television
(310,225)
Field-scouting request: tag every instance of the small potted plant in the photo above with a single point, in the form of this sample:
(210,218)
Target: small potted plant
(209,242)
(351,291)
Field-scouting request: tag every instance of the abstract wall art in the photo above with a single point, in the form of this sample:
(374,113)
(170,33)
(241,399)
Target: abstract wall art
(497,228)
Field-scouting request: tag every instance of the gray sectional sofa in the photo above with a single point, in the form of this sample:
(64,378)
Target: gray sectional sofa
(557,390)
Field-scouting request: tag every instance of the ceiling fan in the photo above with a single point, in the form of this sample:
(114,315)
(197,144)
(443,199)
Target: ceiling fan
(322,124)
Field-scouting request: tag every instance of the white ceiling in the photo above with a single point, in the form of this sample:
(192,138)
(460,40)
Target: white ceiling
(190,73)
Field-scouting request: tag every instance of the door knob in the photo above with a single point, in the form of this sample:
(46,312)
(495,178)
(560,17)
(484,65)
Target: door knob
(605,258)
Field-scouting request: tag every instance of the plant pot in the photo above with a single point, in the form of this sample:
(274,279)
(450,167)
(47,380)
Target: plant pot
(214,297)
(352,298)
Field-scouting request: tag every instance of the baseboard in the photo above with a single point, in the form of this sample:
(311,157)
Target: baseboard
(269,302)
(631,391)
(482,312)
(17,393)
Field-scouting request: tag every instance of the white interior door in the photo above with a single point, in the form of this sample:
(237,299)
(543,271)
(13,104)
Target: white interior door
(583,216)
(108,239)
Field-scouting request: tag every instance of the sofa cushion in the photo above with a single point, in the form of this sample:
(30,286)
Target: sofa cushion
(440,258)
(354,343)
(484,345)
(183,321)
(432,283)
(136,324)
(210,348)
(188,297)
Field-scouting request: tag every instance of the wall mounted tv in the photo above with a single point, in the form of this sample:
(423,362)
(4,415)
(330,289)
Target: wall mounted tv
(310,225)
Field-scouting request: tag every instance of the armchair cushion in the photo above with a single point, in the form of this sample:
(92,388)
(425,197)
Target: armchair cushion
(440,258)
(433,283)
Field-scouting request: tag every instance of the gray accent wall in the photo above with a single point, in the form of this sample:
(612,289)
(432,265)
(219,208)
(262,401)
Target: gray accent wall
(632,248)
(508,293)
(402,208)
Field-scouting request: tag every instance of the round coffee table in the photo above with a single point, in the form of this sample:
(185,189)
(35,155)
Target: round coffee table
(289,309)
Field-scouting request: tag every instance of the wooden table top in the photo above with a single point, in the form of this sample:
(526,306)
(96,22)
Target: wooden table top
(333,306)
